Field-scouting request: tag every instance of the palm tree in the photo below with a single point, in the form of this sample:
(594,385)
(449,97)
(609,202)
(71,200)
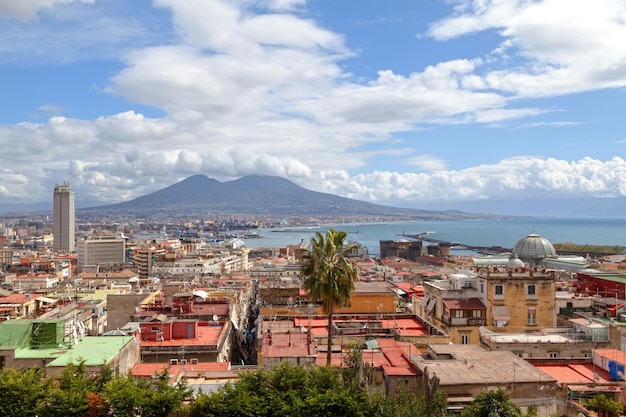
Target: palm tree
(328,275)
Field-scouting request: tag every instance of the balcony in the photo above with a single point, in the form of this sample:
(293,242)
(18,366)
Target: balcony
(465,321)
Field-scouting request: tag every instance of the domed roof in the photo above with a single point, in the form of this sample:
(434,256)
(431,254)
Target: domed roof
(515,262)
(534,246)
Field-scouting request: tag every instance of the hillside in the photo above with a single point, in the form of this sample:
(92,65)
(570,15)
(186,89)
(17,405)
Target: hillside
(261,195)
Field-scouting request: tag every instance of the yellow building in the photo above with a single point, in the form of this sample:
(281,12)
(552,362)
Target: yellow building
(518,297)
(506,299)
(368,298)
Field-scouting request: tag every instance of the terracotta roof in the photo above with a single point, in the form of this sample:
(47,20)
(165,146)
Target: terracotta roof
(580,373)
(287,345)
(207,336)
(18,298)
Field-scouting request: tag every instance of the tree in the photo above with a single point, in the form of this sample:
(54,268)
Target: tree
(355,371)
(492,404)
(329,275)
(603,405)
(162,399)
(70,399)
(23,391)
(409,405)
(128,397)
(284,391)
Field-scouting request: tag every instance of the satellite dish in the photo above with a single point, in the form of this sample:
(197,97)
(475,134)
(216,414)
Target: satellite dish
(215,317)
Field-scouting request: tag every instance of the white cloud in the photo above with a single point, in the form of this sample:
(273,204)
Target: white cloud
(570,46)
(426,162)
(508,178)
(245,92)
(27,10)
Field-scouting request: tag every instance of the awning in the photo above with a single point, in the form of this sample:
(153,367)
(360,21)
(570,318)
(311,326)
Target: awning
(48,300)
(201,293)
(501,313)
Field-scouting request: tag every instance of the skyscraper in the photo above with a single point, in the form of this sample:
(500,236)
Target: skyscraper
(63,222)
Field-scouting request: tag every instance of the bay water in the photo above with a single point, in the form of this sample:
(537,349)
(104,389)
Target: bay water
(484,232)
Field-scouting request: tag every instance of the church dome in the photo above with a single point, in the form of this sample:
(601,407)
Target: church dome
(534,247)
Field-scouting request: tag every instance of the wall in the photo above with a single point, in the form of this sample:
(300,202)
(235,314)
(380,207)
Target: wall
(120,307)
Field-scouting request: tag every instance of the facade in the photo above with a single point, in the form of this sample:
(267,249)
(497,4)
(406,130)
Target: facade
(569,343)
(121,306)
(522,298)
(100,251)
(508,299)
(182,341)
(15,306)
(455,306)
(145,259)
(64,226)
(35,282)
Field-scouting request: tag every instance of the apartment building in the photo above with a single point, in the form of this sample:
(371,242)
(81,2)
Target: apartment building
(98,251)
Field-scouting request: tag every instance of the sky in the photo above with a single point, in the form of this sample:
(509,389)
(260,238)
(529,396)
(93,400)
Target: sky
(402,102)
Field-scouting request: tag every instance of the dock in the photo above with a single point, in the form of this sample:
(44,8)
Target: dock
(423,236)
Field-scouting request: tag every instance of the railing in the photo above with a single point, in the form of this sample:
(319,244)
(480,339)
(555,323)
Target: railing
(465,321)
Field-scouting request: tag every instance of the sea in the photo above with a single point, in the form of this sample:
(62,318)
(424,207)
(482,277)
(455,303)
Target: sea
(483,232)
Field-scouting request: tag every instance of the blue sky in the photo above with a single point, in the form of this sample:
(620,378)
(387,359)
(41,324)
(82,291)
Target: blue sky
(404,102)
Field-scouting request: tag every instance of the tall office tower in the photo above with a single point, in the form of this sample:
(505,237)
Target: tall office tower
(63,222)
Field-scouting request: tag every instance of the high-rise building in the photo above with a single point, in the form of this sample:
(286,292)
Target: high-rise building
(63,222)
(94,252)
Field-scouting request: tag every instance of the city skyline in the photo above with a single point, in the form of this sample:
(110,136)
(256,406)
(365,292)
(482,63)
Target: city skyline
(430,104)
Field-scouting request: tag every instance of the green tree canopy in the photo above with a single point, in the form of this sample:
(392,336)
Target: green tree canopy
(22,391)
(285,391)
(604,405)
(329,275)
(492,404)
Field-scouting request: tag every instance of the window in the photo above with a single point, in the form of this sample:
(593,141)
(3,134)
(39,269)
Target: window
(498,292)
(532,316)
(531,289)
(482,288)
(465,339)
(553,354)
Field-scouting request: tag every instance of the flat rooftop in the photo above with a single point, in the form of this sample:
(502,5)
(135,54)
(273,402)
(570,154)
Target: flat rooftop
(93,350)
(470,364)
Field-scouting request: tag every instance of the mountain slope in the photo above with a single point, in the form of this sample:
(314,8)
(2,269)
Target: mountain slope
(255,194)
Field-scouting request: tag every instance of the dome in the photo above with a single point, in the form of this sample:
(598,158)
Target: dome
(515,262)
(535,247)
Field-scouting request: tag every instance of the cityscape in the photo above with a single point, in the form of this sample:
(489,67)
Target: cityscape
(312,208)
(545,326)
